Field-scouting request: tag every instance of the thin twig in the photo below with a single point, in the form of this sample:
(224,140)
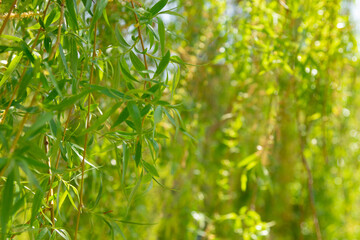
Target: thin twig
(86,138)
(7,17)
(142,43)
(310,182)
(54,49)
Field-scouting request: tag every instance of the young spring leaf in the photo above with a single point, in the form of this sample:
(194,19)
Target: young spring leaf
(139,66)
(138,150)
(63,59)
(163,64)
(37,202)
(150,169)
(11,68)
(135,114)
(157,117)
(73,57)
(120,38)
(71,8)
(67,102)
(161,30)
(125,161)
(103,117)
(122,117)
(49,18)
(6,204)
(127,73)
(24,83)
(100,6)
(158,6)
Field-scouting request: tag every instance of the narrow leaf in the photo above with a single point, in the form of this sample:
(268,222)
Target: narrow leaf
(158,6)
(120,38)
(135,114)
(7,202)
(11,68)
(161,30)
(163,64)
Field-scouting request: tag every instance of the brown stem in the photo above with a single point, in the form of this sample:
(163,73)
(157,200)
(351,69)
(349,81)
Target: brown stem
(86,138)
(142,43)
(310,182)
(7,17)
(54,49)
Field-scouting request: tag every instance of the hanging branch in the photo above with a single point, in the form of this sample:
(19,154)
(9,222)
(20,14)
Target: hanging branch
(86,137)
(310,183)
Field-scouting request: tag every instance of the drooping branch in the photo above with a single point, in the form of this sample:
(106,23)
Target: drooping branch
(86,138)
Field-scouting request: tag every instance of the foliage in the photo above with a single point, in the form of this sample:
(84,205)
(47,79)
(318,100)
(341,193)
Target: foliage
(106,133)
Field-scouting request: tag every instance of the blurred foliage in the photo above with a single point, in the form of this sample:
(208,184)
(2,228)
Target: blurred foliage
(199,119)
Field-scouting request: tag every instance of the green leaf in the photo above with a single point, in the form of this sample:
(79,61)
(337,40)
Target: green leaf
(145,110)
(50,17)
(139,66)
(7,203)
(169,12)
(63,233)
(157,117)
(135,115)
(249,159)
(52,79)
(127,73)
(47,43)
(71,8)
(37,202)
(110,92)
(151,29)
(26,49)
(132,194)
(11,68)
(158,6)
(122,117)
(100,6)
(13,38)
(25,82)
(125,161)
(138,150)
(163,64)
(103,118)
(161,30)
(40,121)
(63,59)
(150,169)
(68,101)
(73,56)
(98,197)
(120,38)
(175,82)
